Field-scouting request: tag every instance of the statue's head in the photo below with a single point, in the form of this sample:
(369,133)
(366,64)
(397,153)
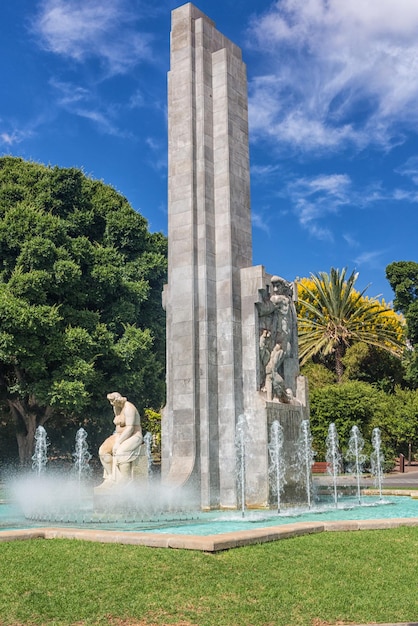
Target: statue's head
(116,398)
(280,286)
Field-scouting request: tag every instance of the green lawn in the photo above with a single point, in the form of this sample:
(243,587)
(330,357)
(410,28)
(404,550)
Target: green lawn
(328,578)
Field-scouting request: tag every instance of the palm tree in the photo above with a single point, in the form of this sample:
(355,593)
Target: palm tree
(333,315)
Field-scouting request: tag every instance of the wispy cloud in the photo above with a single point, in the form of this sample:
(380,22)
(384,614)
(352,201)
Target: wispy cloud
(335,73)
(264,170)
(350,240)
(410,169)
(157,153)
(315,198)
(372,259)
(11,138)
(81,102)
(81,30)
(260,222)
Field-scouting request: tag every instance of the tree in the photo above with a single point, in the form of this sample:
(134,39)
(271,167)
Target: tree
(332,316)
(373,365)
(346,405)
(80,313)
(400,423)
(403,278)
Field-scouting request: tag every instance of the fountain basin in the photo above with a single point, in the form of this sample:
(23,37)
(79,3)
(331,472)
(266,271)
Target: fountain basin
(215,530)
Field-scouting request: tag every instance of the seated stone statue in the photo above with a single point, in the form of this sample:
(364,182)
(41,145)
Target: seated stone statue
(119,451)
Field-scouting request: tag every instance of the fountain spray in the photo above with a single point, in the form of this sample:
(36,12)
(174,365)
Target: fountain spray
(148,448)
(241,436)
(305,457)
(81,454)
(333,457)
(277,465)
(40,457)
(376,460)
(355,454)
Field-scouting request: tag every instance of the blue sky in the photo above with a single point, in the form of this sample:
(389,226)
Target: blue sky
(333,92)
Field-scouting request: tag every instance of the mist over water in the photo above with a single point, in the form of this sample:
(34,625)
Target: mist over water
(63,498)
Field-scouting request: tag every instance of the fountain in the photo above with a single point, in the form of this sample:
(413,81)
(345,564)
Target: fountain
(376,460)
(81,455)
(333,458)
(241,440)
(356,457)
(305,459)
(148,449)
(277,465)
(40,456)
(67,500)
(51,497)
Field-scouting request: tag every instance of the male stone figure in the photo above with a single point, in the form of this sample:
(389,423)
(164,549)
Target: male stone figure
(277,320)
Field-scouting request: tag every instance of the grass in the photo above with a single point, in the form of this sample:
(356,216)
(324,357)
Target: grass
(315,580)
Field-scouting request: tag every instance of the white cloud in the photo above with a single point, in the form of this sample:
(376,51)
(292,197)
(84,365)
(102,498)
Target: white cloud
(69,94)
(10,138)
(314,199)
(259,222)
(264,170)
(81,30)
(83,103)
(410,169)
(335,72)
(350,240)
(371,259)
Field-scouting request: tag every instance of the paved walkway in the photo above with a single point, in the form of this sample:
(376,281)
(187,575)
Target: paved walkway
(396,479)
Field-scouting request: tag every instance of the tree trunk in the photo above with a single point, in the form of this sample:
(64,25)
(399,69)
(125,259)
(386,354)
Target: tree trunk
(26,421)
(339,367)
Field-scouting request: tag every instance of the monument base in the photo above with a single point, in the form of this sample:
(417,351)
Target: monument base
(295,485)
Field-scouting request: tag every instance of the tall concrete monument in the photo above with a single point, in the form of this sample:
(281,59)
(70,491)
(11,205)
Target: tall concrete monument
(231,327)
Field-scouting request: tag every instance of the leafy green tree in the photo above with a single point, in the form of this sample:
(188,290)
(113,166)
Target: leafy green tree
(347,404)
(373,365)
(317,374)
(332,316)
(403,278)
(80,313)
(400,422)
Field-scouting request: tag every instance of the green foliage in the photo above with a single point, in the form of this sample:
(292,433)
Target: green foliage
(80,298)
(318,375)
(411,368)
(361,404)
(374,366)
(151,422)
(403,278)
(399,424)
(347,405)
